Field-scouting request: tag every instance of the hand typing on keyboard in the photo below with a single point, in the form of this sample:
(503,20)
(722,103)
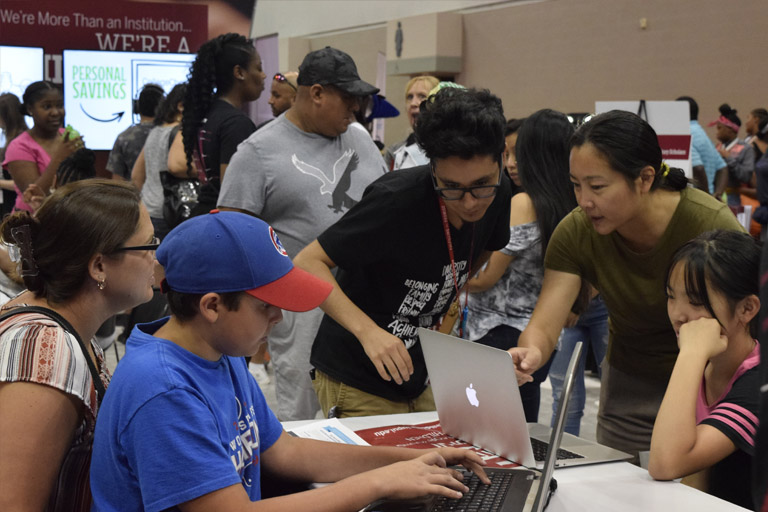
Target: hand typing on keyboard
(479,497)
(467,458)
(424,475)
(429,475)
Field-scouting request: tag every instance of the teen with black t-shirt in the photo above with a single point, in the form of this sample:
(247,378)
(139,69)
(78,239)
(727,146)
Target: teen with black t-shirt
(403,252)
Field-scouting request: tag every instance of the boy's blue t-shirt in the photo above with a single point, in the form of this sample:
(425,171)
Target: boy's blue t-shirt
(174,426)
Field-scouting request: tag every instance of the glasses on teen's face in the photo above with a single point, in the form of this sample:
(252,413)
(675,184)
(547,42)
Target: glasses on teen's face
(151,246)
(281,78)
(457,193)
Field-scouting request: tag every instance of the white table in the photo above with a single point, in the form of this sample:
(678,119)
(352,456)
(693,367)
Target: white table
(609,487)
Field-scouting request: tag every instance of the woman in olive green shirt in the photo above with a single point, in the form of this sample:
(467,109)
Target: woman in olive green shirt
(634,212)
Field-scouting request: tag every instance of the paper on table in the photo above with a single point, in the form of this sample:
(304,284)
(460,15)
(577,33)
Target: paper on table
(427,436)
(331,430)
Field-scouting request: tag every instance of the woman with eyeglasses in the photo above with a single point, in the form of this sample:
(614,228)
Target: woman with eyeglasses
(225,75)
(86,254)
(504,293)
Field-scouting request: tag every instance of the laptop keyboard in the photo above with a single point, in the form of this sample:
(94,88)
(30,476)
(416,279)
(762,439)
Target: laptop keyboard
(540,451)
(481,497)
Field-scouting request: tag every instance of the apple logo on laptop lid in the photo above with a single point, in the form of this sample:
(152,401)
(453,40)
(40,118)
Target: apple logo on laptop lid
(472,396)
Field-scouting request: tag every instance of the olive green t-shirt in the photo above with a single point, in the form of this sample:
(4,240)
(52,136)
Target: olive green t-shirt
(632,284)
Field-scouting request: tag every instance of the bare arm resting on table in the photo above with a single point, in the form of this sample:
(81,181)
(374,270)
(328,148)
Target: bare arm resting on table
(680,447)
(363,475)
(386,352)
(559,291)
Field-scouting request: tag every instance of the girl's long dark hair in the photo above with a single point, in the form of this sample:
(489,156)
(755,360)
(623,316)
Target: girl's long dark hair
(542,151)
(211,76)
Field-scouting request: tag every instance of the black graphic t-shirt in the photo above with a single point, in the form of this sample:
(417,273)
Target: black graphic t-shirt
(225,127)
(394,264)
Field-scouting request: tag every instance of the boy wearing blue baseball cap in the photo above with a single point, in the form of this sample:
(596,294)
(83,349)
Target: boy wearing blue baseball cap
(184,426)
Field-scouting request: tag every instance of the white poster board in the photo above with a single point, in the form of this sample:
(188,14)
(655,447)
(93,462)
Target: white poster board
(100,86)
(671,120)
(19,67)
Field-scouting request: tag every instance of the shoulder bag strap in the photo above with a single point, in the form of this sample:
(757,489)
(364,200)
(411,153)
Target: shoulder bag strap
(172,135)
(95,376)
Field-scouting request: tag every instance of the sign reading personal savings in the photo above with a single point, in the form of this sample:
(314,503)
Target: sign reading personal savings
(100,86)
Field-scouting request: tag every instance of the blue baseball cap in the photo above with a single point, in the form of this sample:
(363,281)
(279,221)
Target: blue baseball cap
(231,252)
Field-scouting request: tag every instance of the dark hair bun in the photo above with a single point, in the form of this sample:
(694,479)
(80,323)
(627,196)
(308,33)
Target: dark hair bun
(675,179)
(726,110)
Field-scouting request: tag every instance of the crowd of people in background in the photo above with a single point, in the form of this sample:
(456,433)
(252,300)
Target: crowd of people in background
(521,234)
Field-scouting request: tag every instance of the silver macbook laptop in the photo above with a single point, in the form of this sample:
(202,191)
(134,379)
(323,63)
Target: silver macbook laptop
(511,489)
(478,401)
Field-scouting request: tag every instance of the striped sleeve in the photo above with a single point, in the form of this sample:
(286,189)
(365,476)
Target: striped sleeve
(36,349)
(736,415)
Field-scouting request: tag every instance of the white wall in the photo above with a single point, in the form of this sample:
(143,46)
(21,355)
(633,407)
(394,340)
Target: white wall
(561,54)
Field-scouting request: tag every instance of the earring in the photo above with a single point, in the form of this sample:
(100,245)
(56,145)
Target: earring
(101,284)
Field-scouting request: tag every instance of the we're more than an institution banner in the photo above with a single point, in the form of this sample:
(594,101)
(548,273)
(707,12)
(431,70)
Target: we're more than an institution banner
(116,25)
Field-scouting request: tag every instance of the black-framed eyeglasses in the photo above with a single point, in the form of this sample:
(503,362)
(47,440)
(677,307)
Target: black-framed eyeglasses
(281,78)
(151,246)
(457,193)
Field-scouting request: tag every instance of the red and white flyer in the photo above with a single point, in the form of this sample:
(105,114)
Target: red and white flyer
(426,435)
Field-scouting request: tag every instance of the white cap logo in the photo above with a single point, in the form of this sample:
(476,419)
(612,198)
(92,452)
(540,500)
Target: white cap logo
(276,242)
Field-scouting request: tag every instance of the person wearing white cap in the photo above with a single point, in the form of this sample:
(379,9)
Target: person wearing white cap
(184,423)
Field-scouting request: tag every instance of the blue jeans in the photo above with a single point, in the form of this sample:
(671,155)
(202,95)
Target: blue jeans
(505,337)
(592,329)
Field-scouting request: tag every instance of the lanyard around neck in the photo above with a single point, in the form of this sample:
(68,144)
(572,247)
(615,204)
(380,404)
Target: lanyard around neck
(447,231)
